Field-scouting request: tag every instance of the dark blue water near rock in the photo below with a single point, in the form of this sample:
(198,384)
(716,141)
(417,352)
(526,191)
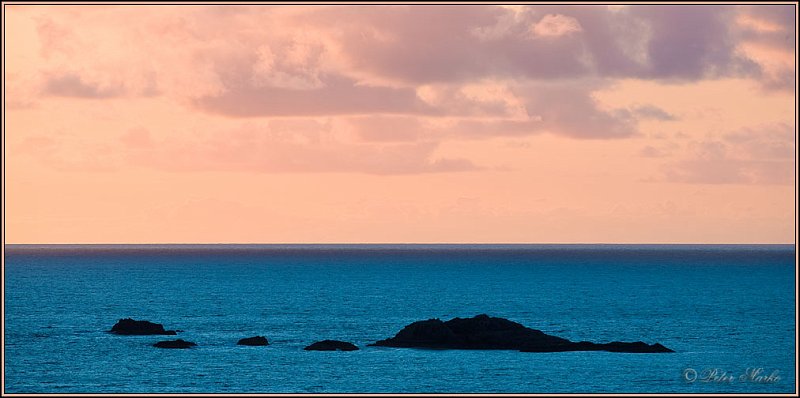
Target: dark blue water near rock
(728,308)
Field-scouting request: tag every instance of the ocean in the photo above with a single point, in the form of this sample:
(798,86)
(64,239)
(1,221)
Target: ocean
(727,310)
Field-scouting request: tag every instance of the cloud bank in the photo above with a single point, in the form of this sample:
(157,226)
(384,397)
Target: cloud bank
(403,78)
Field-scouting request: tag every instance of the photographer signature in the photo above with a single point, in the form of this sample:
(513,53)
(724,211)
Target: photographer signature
(717,375)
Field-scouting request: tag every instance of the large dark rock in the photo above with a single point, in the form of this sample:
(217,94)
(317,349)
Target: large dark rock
(129,326)
(255,341)
(483,332)
(331,345)
(179,343)
(479,333)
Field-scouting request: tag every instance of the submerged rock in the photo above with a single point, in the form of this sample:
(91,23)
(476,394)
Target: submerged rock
(179,343)
(331,345)
(483,332)
(254,341)
(129,326)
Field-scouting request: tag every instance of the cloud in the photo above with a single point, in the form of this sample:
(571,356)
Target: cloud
(561,109)
(652,112)
(692,42)
(650,151)
(277,146)
(389,128)
(138,137)
(776,141)
(337,96)
(376,54)
(572,111)
(67,151)
(295,47)
(441,44)
(405,78)
(763,155)
(271,151)
(371,59)
(770,24)
(72,85)
(476,110)
(438,44)
(766,35)
(731,171)
(556,25)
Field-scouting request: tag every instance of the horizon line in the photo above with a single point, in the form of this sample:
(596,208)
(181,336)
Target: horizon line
(412,244)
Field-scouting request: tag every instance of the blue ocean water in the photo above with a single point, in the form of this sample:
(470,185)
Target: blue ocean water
(729,308)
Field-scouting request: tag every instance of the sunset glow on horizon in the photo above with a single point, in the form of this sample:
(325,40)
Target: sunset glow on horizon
(400,124)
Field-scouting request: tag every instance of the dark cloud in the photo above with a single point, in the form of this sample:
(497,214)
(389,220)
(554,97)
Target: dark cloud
(692,42)
(442,44)
(450,45)
(438,44)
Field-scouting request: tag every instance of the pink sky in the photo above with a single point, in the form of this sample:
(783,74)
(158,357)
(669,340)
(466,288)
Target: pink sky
(429,124)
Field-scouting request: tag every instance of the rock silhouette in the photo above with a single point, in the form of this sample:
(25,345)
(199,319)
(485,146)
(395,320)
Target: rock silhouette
(179,343)
(331,345)
(483,332)
(129,326)
(254,341)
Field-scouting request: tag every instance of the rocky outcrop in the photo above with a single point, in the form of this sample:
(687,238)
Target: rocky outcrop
(129,326)
(254,341)
(483,332)
(331,345)
(179,343)
(479,333)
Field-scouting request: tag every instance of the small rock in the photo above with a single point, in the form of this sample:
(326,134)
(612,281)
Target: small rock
(179,343)
(254,341)
(331,345)
(129,326)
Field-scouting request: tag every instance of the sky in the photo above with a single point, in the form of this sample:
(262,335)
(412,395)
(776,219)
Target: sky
(399,124)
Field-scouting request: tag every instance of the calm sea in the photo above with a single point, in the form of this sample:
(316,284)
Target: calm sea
(724,308)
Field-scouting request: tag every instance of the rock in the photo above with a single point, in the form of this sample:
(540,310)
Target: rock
(483,332)
(614,346)
(479,333)
(254,341)
(331,345)
(636,347)
(129,326)
(179,343)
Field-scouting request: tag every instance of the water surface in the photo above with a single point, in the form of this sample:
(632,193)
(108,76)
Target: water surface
(720,307)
